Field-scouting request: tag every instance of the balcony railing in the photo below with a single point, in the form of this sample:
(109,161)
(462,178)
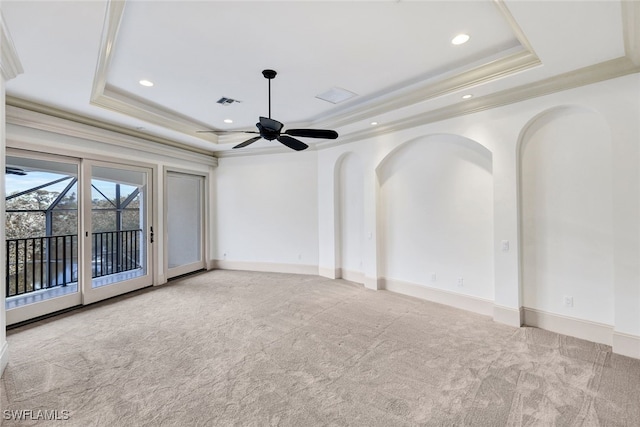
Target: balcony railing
(45,262)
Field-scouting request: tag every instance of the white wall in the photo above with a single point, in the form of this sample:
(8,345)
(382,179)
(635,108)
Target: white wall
(567,229)
(267,212)
(350,209)
(607,313)
(437,215)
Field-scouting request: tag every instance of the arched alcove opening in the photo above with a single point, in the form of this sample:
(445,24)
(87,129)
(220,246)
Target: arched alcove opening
(436,215)
(349,190)
(566,215)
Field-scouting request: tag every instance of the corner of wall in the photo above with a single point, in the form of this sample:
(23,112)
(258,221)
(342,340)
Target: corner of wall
(374,283)
(626,344)
(330,273)
(508,316)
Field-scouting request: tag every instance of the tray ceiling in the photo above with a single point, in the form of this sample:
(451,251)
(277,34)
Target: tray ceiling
(87,58)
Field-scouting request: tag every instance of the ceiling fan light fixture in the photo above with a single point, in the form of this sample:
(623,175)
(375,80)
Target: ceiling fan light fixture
(460,39)
(336,95)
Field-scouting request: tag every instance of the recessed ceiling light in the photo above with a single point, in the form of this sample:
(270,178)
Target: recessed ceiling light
(460,39)
(146,83)
(374,123)
(467,96)
(228,121)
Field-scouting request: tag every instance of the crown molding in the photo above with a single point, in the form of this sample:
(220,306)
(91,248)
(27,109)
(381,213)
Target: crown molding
(276,149)
(510,63)
(110,28)
(29,114)
(588,75)
(485,73)
(106,96)
(10,65)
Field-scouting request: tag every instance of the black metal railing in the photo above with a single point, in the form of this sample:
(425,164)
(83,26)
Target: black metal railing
(45,262)
(114,252)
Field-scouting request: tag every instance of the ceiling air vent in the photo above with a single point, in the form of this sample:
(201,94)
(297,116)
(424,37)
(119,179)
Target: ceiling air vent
(226,101)
(336,95)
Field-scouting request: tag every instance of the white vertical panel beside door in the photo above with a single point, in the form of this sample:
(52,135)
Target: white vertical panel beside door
(184,219)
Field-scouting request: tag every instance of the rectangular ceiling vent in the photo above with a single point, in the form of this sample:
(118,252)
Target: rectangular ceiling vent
(336,95)
(226,101)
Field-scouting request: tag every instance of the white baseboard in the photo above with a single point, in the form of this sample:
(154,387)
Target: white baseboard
(626,344)
(453,299)
(329,273)
(4,357)
(352,276)
(508,316)
(579,328)
(267,267)
(373,283)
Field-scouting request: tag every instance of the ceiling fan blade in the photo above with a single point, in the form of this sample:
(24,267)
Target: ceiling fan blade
(247,142)
(292,143)
(271,124)
(313,133)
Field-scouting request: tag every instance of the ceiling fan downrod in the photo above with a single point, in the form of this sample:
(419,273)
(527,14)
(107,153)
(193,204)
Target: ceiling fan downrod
(269,75)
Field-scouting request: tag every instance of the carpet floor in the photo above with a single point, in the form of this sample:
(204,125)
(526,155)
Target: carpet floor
(230,348)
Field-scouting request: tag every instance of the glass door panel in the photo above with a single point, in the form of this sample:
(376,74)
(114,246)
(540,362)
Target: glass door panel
(41,242)
(118,215)
(184,219)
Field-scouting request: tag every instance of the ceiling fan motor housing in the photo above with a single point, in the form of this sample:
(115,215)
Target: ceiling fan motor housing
(270,133)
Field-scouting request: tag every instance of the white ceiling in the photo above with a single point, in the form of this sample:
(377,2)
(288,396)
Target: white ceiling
(86,58)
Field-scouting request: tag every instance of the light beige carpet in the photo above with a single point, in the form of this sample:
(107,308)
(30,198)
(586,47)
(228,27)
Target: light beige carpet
(257,349)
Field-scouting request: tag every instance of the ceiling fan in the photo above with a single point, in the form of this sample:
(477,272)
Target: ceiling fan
(271,129)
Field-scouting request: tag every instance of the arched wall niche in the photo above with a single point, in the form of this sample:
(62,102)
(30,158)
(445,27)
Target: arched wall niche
(435,222)
(349,216)
(565,210)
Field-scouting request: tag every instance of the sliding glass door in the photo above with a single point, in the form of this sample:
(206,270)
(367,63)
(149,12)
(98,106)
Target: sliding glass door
(76,232)
(117,251)
(42,226)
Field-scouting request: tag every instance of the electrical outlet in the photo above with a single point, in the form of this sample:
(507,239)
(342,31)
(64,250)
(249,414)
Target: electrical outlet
(433,277)
(460,282)
(567,301)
